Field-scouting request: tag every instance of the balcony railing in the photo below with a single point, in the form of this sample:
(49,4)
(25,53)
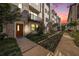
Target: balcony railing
(35,18)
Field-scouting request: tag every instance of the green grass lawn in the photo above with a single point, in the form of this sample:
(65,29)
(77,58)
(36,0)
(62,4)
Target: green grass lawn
(75,34)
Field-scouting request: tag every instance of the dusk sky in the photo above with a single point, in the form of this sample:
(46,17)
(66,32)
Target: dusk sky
(62,11)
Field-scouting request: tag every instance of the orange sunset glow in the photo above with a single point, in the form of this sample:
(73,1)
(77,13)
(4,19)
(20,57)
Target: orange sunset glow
(62,11)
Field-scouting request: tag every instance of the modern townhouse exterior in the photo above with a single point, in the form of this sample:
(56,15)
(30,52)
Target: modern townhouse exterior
(56,21)
(28,23)
(33,15)
(46,16)
(73,14)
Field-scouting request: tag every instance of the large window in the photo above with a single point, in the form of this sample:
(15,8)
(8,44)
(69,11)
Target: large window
(34,27)
(33,15)
(47,19)
(45,10)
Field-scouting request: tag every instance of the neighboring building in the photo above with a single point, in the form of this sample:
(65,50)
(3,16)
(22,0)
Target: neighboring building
(56,21)
(45,16)
(73,14)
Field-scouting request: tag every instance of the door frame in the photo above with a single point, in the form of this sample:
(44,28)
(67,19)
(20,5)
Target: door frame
(18,22)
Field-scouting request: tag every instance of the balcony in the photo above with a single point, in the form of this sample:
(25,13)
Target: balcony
(34,7)
(34,18)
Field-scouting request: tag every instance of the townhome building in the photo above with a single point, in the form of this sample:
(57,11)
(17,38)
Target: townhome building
(28,22)
(73,14)
(33,17)
(56,21)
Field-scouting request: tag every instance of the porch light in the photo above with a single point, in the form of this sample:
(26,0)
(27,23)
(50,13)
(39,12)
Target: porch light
(20,5)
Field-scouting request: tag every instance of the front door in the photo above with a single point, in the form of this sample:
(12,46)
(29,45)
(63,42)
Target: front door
(19,30)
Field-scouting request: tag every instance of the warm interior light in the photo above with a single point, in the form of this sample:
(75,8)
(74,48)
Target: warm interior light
(36,25)
(20,5)
(18,28)
(26,29)
(33,27)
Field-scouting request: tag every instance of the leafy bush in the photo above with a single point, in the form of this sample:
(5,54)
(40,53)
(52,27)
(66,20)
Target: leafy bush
(8,46)
(75,35)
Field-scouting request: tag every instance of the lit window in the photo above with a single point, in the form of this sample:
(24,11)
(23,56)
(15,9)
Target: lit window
(33,26)
(20,5)
(18,28)
(36,26)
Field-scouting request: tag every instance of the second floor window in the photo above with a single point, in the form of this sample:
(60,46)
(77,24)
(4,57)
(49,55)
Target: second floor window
(20,5)
(45,10)
(33,15)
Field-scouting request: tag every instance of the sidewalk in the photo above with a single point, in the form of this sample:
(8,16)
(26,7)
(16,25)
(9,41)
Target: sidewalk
(66,47)
(29,48)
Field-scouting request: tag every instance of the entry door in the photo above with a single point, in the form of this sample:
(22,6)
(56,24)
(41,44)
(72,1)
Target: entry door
(19,30)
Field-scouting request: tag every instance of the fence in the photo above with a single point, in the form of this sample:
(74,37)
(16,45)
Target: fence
(51,42)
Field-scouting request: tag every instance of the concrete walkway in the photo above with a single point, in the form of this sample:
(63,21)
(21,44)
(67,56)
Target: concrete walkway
(29,48)
(66,47)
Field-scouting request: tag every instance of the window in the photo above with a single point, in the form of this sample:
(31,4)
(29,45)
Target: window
(45,10)
(36,26)
(32,27)
(18,28)
(47,19)
(20,5)
(48,12)
(33,15)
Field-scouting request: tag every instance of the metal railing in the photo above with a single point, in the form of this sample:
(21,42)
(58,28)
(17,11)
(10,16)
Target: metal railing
(51,42)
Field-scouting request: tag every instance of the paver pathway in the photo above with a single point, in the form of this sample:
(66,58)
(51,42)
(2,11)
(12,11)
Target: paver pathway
(29,48)
(66,47)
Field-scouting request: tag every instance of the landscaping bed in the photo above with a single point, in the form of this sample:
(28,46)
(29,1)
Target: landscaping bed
(46,40)
(75,35)
(51,42)
(37,37)
(9,46)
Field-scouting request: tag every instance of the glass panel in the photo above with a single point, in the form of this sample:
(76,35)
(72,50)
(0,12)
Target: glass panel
(36,25)
(33,26)
(18,28)
(20,5)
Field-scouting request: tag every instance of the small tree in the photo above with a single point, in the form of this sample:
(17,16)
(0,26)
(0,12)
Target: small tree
(73,24)
(9,13)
